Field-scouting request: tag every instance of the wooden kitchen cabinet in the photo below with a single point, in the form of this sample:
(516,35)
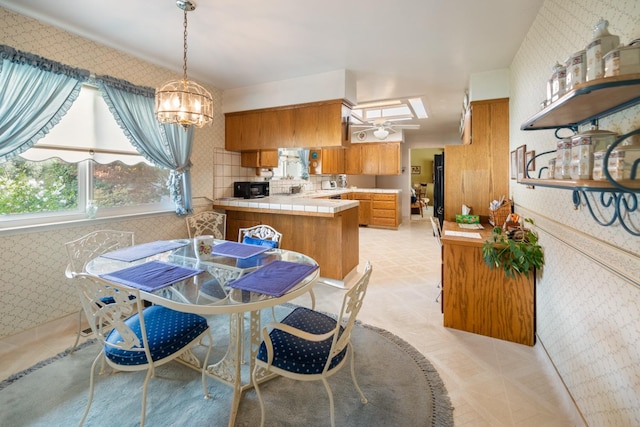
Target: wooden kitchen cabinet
(477,173)
(259,159)
(364,210)
(389,159)
(481,300)
(317,124)
(242,130)
(333,160)
(385,210)
(373,159)
(353,160)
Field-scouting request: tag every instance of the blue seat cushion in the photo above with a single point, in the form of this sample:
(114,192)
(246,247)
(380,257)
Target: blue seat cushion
(298,355)
(259,242)
(168,332)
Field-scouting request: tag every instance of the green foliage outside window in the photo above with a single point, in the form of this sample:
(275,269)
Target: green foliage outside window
(117,184)
(30,187)
(52,185)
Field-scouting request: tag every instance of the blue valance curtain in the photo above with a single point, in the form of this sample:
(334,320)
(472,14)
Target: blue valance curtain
(167,146)
(34,95)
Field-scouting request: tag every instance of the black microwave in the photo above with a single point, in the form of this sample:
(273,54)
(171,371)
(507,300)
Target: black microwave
(250,190)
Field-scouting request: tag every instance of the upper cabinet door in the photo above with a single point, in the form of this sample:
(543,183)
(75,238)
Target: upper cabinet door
(314,125)
(353,160)
(389,159)
(333,160)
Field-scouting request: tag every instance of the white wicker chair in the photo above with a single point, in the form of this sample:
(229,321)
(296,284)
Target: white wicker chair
(89,246)
(207,223)
(309,346)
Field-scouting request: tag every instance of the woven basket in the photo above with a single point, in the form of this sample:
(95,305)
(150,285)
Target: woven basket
(498,217)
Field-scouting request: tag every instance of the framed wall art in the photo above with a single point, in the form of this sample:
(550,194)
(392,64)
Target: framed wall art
(520,155)
(416,170)
(530,157)
(514,165)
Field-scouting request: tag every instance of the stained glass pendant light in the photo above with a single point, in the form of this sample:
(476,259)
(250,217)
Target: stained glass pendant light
(184,102)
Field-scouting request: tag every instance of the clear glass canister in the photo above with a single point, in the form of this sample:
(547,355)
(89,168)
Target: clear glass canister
(563,159)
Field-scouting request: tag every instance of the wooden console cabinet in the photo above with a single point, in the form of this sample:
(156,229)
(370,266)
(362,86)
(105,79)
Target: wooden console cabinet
(481,300)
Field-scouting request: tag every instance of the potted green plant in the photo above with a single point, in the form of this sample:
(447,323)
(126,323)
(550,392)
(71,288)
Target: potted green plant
(517,250)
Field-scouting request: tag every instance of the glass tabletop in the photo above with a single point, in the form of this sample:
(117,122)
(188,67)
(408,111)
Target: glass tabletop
(210,292)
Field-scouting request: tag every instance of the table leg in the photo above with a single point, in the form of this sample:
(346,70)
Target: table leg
(229,368)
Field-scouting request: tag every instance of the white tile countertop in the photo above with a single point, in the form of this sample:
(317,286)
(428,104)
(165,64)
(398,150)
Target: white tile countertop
(311,202)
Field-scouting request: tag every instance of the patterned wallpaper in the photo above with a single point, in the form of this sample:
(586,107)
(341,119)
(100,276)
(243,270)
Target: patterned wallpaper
(588,296)
(32,283)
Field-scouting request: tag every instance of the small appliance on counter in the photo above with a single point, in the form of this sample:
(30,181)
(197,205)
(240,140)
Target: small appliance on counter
(329,185)
(250,190)
(342,181)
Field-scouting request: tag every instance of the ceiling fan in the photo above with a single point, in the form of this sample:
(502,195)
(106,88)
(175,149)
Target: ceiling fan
(381,129)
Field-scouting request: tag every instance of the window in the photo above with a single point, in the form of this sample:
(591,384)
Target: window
(85,157)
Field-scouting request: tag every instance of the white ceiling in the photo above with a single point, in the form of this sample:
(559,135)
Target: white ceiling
(395,48)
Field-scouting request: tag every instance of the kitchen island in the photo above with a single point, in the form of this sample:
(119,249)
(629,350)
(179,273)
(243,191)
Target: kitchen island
(323,228)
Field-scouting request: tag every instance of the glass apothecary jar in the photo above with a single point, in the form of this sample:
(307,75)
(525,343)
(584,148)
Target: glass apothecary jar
(92,209)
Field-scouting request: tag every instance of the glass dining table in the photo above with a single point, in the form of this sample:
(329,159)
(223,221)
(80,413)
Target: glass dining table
(212,292)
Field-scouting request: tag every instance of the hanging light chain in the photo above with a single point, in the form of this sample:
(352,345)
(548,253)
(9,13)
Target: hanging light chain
(184,66)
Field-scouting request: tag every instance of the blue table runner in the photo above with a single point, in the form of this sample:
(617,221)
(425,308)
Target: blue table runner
(151,275)
(275,278)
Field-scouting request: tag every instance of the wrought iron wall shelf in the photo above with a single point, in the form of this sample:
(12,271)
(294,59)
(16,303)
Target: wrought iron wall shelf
(587,102)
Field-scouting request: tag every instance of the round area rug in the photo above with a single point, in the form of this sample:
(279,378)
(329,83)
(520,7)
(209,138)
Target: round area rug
(401,385)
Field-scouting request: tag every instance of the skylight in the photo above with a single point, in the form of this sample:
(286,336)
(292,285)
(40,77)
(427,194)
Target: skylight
(393,110)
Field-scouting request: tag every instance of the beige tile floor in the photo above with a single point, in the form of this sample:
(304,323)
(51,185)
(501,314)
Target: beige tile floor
(490,382)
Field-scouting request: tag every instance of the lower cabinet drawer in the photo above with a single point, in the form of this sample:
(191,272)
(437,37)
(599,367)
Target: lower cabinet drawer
(384,213)
(382,196)
(377,204)
(386,222)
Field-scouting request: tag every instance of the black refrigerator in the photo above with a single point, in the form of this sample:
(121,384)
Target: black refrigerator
(438,187)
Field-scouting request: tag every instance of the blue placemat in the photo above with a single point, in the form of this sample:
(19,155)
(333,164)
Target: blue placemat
(151,275)
(134,253)
(238,250)
(275,278)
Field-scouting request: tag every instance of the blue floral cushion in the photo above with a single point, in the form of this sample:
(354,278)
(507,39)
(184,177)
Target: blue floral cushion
(168,332)
(298,355)
(259,242)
